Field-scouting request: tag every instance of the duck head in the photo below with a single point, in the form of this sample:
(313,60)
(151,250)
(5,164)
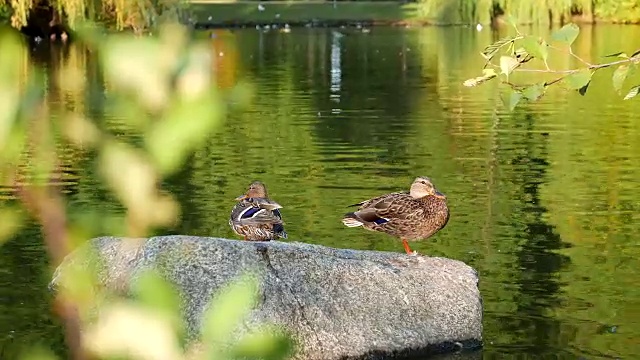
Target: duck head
(422,186)
(257,189)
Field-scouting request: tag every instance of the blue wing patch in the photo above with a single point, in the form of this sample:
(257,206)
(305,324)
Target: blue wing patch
(249,213)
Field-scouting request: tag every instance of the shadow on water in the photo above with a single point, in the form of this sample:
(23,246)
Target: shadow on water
(537,259)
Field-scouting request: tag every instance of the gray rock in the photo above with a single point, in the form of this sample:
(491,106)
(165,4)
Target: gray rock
(339,303)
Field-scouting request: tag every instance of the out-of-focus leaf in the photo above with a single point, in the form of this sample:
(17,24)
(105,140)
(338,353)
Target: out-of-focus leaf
(536,47)
(267,343)
(578,79)
(633,92)
(129,174)
(186,125)
(583,90)
(11,61)
(242,93)
(230,305)
(144,71)
(534,92)
(89,223)
(509,19)
(38,353)
(618,54)
(508,64)
(157,294)
(12,220)
(131,331)
(619,76)
(510,98)
(80,131)
(78,279)
(566,34)
(13,148)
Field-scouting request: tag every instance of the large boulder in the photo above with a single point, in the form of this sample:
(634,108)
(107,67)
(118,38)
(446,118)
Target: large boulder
(339,303)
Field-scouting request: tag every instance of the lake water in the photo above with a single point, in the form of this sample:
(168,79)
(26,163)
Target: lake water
(545,201)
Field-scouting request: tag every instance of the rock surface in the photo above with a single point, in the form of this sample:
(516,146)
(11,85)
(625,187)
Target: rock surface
(340,303)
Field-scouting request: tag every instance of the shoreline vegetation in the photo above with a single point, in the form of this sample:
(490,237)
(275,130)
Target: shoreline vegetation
(325,13)
(246,13)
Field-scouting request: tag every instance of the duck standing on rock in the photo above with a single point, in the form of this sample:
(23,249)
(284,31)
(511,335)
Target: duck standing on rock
(256,217)
(413,215)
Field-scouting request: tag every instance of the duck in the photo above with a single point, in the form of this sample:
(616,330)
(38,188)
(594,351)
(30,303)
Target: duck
(411,215)
(255,217)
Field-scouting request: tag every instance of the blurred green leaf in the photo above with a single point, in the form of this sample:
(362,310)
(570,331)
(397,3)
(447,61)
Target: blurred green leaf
(12,220)
(633,92)
(11,57)
(158,294)
(510,98)
(578,79)
(618,54)
(186,125)
(230,305)
(38,353)
(509,19)
(13,147)
(507,64)
(566,34)
(144,71)
(11,60)
(536,47)
(619,76)
(583,90)
(267,343)
(534,92)
(127,330)
(88,223)
(130,176)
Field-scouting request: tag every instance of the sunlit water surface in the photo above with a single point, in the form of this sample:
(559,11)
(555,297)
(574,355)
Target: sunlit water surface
(544,201)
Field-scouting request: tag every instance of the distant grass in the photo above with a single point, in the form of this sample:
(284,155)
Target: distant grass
(215,12)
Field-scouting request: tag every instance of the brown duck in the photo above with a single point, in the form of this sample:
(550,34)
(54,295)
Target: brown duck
(256,217)
(413,215)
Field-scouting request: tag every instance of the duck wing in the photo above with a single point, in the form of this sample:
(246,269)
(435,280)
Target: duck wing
(259,211)
(379,201)
(387,208)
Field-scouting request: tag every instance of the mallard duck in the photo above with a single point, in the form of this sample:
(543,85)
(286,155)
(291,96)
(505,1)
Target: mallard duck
(413,215)
(256,217)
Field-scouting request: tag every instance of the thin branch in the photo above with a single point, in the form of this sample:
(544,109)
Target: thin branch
(579,58)
(48,208)
(590,67)
(45,204)
(570,52)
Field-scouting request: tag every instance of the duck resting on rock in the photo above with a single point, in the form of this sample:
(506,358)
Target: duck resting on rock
(413,215)
(256,217)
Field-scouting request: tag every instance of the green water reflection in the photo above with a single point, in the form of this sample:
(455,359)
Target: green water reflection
(544,201)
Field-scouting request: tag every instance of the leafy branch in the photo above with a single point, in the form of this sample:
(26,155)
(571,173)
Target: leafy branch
(518,50)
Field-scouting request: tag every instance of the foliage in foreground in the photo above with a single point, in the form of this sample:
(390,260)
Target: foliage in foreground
(163,89)
(513,52)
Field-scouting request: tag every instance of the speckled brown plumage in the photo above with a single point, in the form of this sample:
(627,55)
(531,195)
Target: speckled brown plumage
(410,216)
(256,217)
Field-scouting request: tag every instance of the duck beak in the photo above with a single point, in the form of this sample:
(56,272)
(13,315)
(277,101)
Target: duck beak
(440,195)
(241,197)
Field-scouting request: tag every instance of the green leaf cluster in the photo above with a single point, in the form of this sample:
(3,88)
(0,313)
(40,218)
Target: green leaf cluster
(520,50)
(163,88)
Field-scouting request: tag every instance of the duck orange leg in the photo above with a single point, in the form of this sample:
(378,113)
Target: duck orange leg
(406,246)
